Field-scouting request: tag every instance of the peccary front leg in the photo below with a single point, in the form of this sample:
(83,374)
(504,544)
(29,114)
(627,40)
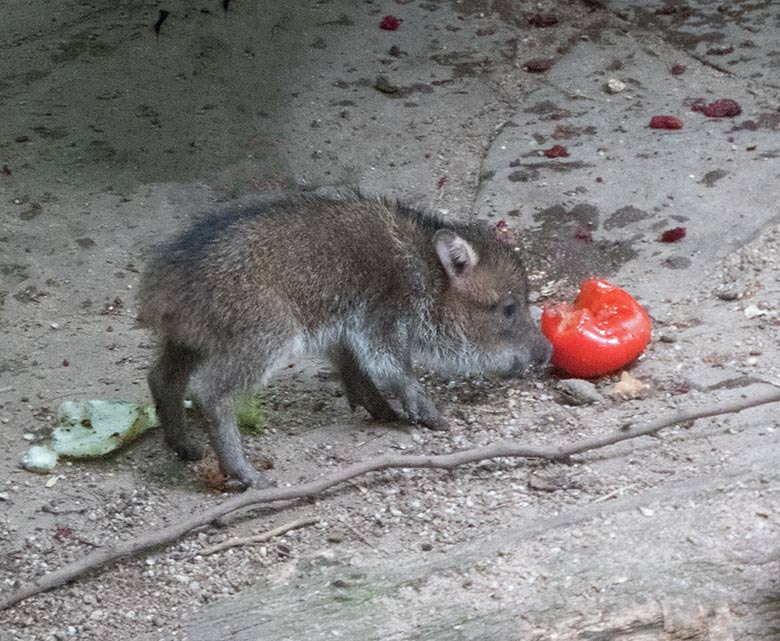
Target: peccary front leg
(359,388)
(399,376)
(418,407)
(168,380)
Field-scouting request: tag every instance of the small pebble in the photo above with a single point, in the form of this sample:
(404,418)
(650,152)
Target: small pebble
(39,459)
(579,392)
(753,311)
(727,294)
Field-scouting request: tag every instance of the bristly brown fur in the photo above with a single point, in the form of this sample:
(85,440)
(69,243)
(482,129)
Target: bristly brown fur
(369,283)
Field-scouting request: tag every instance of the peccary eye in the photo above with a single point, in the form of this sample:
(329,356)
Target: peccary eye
(509,309)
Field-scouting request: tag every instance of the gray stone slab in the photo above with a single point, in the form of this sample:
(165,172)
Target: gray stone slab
(739,38)
(624,183)
(672,557)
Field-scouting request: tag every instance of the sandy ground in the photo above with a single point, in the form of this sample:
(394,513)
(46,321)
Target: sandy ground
(114,136)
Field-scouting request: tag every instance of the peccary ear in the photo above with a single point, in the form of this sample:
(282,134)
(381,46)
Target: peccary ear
(456,255)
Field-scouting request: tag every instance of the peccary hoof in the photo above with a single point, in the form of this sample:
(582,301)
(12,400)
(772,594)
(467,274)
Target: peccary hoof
(436,423)
(256,480)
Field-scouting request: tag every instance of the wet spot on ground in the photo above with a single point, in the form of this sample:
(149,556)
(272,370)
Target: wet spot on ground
(562,246)
(711,177)
(625,216)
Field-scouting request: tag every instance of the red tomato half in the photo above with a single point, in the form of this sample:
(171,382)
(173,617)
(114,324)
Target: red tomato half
(602,331)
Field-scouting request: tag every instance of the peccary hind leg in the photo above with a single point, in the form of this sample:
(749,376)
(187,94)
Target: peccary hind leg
(214,388)
(168,380)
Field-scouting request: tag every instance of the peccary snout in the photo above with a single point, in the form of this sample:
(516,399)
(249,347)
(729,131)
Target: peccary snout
(536,357)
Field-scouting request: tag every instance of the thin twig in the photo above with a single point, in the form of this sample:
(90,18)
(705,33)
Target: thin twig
(260,538)
(613,494)
(750,397)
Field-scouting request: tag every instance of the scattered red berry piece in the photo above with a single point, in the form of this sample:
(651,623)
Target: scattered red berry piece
(62,533)
(389,23)
(440,182)
(682,387)
(557,151)
(65,362)
(583,233)
(678,70)
(723,108)
(665,122)
(502,231)
(672,235)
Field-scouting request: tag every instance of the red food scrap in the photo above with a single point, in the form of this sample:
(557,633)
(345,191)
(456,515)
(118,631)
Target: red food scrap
(583,233)
(389,23)
(672,235)
(698,104)
(599,179)
(543,20)
(678,70)
(720,51)
(538,65)
(682,387)
(723,108)
(65,362)
(62,533)
(665,122)
(502,231)
(557,151)
(440,182)
(751,148)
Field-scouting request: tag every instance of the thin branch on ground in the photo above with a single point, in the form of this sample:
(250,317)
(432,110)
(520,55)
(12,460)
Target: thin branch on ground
(613,494)
(260,538)
(752,396)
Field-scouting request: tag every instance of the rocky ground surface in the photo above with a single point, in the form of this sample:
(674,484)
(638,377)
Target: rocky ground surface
(114,135)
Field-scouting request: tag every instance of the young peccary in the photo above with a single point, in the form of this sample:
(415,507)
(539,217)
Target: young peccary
(368,283)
